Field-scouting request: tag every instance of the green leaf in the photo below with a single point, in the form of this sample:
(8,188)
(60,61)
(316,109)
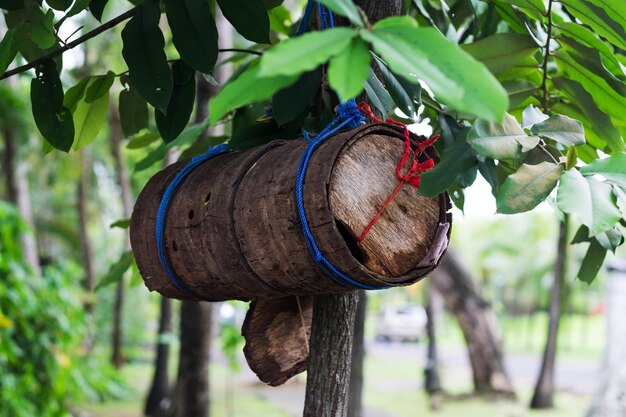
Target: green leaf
(88,120)
(396,21)
(60,5)
(122,224)
(536,5)
(612,168)
(143,52)
(590,200)
(344,8)
(249,87)
(454,76)
(455,162)
(117,270)
(249,17)
(11,4)
(7,50)
(142,139)
(528,187)
(499,141)
(532,116)
(604,95)
(502,51)
(377,95)
(53,119)
(133,111)
(585,36)
(607,18)
(271,4)
(42,30)
(75,94)
(403,97)
(598,122)
(179,109)
(100,85)
(592,262)
(291,102)
(77,7)
(194,32)
(304,53)
(562,129)
(96,7)
(349,70)
(611,239)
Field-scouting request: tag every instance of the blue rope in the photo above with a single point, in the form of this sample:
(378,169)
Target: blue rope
(348,116)
(304,22)
(162,214)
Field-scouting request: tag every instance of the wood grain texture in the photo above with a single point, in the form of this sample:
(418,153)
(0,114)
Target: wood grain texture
(363,178)
(232,229)
(277,332)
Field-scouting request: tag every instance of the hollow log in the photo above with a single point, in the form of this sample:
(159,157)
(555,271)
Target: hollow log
(232,230)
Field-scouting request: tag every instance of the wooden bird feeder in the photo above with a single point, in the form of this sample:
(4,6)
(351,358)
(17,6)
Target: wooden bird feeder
(232,229)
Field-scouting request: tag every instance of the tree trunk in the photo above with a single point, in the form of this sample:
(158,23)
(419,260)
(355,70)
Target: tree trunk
(192,388)
(15,171)
(158,401)
(83,223)
(544,390)
(330,356)
(610,399)
(462,297)
(355,394)
(432,384)
(123,180)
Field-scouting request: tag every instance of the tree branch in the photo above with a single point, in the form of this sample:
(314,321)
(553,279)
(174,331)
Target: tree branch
(544,85)
(92,34)
(59,51)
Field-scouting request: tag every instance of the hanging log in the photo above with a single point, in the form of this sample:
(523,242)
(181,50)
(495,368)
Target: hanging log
(232,229)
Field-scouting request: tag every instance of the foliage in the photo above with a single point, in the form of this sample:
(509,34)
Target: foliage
(530,93)
(42,333)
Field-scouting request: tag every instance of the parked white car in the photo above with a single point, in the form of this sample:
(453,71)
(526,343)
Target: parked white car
(404,323)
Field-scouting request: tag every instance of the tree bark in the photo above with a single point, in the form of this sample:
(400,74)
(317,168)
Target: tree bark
(192,388)
(432,383)
(15,172)
(123,180)
(610,399)
(158,401)
(330,357)
(544,389)
(355,394)
(83,223)
(462,297)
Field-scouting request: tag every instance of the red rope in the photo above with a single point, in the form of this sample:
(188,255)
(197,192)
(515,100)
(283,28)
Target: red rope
(412,176)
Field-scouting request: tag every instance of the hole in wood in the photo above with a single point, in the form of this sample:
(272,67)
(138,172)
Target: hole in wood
(350,242)
(190,214)
(207,198)
(174,246)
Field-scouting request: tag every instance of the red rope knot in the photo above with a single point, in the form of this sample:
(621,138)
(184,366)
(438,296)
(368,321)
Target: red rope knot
(412,175)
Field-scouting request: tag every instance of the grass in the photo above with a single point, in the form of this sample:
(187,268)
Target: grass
(393,385)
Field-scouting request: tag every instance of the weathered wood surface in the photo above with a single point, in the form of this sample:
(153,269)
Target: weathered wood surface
(363,178)
(232,229)
(277,332)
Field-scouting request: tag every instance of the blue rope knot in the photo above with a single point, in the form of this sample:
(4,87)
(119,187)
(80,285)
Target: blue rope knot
(349,111)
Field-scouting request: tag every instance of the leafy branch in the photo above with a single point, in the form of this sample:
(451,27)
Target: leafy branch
(92,34)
